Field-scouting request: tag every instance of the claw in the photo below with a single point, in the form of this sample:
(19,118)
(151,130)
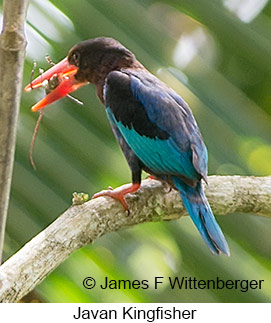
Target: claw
(167,188)
(119,194)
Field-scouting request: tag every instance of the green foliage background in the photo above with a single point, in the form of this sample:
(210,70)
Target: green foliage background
(219,61)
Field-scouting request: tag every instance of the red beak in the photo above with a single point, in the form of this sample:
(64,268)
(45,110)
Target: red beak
(65,73)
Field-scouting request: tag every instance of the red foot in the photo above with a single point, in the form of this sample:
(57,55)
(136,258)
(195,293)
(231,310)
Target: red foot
(152,177)
(119,194)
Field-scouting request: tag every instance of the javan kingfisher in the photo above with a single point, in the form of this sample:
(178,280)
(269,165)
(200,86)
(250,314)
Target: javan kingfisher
(154,126)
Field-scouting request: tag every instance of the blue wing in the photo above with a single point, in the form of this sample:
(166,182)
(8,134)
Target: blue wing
(160,129)
(152,108)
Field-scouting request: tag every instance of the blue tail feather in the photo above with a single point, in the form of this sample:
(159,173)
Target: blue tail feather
(200,212)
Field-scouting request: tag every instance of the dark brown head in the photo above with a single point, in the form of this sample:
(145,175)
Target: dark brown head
(87,62)
(97,57)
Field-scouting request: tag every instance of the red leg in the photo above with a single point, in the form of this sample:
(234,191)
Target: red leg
(119,194)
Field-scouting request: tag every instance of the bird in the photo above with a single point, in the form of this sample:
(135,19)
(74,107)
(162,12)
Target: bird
(153,125)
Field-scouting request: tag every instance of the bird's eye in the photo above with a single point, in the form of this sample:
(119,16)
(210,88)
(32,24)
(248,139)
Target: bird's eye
(75,58)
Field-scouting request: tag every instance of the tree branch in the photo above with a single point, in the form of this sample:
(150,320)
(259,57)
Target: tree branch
(82,224)
(12,50)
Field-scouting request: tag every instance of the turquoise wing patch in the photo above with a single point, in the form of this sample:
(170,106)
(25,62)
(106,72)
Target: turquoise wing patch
(160,156)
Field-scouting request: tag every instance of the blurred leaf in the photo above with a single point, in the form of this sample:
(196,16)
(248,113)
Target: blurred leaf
(221,67)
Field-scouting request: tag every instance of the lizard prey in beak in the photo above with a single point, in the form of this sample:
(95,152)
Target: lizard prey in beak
(65,72)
